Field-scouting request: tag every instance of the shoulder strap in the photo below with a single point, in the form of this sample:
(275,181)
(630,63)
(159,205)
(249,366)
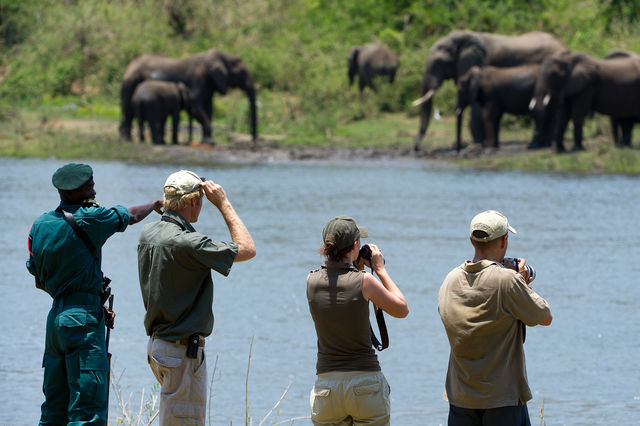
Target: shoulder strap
(382,326)
(172,220)
(83,235)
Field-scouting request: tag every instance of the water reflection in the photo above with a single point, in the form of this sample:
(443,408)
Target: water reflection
(580,232)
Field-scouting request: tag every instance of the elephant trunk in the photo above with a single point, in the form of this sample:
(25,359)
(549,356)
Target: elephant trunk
(459,112)
(253,116)
(425,116)
(430,84)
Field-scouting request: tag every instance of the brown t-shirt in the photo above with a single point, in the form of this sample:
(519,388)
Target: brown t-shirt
(481,305)
(341,317)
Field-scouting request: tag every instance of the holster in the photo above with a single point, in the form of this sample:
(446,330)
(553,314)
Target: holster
(192,346)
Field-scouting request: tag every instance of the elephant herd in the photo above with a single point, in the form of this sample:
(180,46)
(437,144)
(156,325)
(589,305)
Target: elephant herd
(154,87)
(531,74)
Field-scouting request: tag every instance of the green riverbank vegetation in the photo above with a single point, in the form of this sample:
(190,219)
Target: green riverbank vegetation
(62,62)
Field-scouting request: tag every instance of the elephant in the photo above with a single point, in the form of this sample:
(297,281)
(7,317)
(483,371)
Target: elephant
(154,100)
(495,91)
(453,56)
(204,74)
(572,85)
(625,124)
(370,61)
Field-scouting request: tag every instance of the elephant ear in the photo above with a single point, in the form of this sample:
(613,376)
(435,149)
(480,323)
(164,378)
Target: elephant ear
(584,71)
(218,75)
(471,51)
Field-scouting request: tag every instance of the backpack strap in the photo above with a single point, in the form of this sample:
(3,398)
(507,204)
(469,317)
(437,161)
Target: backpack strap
(68,217)
(172,220)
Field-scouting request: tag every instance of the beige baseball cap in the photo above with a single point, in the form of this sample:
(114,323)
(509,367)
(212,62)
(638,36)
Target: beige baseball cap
(493,224)
(183,182)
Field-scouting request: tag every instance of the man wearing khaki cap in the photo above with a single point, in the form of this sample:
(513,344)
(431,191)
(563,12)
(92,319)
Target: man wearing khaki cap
(484,306)
(65,256)
(174,265)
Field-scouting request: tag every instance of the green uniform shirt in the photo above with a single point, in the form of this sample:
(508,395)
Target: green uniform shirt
(174,268)
(482,306)
(59,258)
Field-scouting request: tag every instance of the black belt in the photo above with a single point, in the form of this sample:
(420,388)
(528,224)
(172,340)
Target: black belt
(185,342)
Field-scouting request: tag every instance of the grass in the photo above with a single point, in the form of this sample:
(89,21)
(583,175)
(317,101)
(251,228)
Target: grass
(60,131)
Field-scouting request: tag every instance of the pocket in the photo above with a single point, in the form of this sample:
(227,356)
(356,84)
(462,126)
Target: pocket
(366,389)
(371,400)
(322,404)
(72,318)
(78,317)
(93,378)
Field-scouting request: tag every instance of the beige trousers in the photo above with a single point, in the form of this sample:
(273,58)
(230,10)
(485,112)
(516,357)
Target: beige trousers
(350,398)
(183,381)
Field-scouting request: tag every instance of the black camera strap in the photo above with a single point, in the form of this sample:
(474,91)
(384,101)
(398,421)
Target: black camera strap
(382,328)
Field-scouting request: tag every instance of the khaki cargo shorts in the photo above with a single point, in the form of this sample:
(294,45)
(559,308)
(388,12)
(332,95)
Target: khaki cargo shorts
(350,398)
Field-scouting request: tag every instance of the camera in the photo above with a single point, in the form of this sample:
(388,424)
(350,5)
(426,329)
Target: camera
(365,253)
(509,261)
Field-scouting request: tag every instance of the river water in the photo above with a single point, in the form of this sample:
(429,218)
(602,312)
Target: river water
(580,232)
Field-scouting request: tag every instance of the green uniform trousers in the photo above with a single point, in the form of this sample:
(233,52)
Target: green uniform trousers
(75,362)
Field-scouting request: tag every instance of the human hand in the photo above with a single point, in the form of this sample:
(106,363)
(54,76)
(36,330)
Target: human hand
(214,193)
(109,318)
(158,205)
(523,270)
(377,260)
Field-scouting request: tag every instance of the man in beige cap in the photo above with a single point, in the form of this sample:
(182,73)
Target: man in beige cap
(484,306)
(174,265)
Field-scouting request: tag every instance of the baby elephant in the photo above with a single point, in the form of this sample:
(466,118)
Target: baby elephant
(154,100)
(495,91)
(370,61)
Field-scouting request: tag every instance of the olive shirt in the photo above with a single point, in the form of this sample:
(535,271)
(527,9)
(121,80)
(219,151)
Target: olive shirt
(341,317)
(174,267)
(481,305)
(59,258)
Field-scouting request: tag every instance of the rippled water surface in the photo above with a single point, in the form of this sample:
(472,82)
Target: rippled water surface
(580,232)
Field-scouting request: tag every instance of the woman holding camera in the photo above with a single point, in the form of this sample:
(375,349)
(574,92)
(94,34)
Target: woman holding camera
(350,387)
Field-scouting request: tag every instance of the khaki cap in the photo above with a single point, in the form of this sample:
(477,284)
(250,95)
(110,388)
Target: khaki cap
(182,182)
(342,232)
(491,222)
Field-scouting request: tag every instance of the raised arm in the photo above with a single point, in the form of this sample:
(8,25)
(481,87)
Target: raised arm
(138,213)
(239,233)
(384,293)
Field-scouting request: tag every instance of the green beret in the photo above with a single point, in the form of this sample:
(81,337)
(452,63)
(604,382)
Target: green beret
(72,176)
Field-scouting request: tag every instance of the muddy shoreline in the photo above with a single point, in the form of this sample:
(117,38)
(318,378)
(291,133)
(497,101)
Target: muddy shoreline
(272,152)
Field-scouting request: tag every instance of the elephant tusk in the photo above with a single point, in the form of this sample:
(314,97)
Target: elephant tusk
(546,99)
(423,99)
(458,112)
(532,104)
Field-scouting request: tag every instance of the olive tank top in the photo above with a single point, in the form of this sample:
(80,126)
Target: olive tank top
(341,317)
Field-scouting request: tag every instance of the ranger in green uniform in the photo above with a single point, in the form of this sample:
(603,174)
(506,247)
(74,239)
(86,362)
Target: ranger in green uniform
(75,358)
